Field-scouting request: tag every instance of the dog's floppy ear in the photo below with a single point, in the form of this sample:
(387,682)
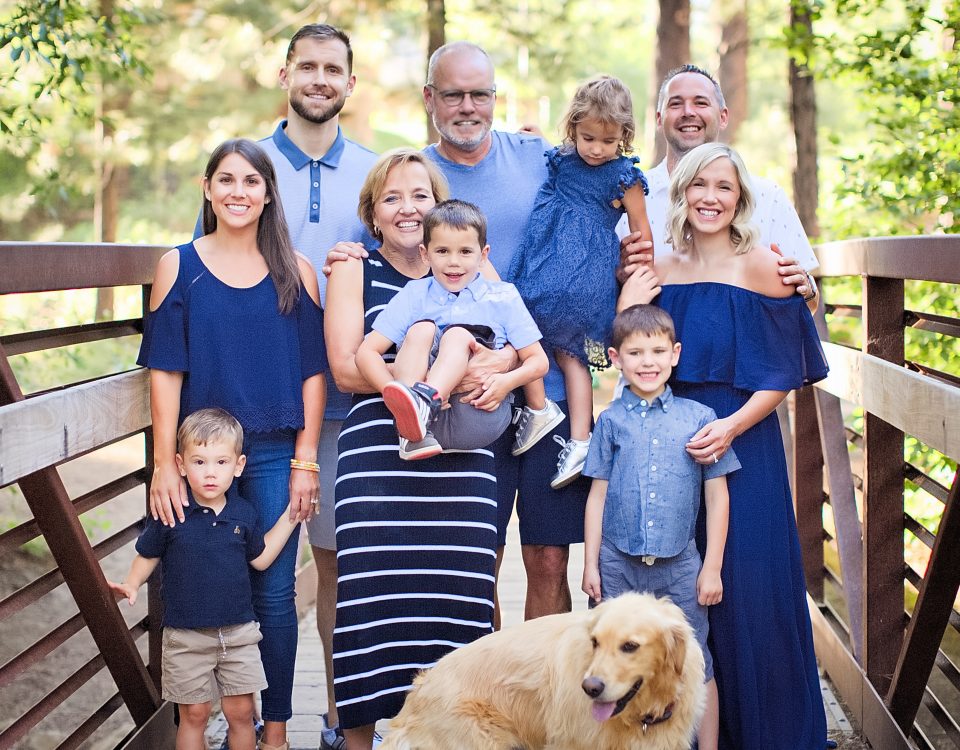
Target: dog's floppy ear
(675,639)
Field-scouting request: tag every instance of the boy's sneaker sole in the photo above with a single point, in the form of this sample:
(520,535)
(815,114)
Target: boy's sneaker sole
(405,405)
(416,451)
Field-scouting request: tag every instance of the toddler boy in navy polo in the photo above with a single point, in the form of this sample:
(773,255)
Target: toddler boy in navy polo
(645,497)
(209,628)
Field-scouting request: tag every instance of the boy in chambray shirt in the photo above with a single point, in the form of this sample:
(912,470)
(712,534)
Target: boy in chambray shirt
(437,322)
(643,504)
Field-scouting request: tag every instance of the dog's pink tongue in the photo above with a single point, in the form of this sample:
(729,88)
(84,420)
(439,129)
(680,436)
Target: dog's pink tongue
(602,711)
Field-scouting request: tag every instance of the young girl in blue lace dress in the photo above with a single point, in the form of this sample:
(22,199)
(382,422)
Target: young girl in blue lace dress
(566,267)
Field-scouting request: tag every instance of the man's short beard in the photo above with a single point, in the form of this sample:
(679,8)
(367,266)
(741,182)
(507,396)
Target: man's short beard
(318,119)
(464,144)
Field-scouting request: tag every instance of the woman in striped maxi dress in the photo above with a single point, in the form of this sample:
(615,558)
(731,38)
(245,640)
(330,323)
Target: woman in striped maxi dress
(416,540)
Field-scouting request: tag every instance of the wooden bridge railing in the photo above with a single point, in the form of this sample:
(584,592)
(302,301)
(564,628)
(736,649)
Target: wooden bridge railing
(38,434)
(886,630)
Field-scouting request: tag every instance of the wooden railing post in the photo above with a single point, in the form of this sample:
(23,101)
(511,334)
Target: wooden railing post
(883,617)
(808,495)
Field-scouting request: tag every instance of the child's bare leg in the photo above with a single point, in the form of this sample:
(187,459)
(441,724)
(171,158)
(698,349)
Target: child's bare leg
(360,738)
(708,735)
(414,353)
(238,710)
(450,365)
(193,724)
(535,395)
(579,385)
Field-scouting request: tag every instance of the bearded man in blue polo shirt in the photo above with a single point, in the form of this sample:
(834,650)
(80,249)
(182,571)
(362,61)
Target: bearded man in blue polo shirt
(319,173)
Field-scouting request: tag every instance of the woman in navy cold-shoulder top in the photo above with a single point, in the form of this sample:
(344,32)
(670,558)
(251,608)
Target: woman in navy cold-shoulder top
(235,323)
(747,340)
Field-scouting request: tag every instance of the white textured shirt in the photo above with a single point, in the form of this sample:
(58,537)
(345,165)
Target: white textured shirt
(774,215)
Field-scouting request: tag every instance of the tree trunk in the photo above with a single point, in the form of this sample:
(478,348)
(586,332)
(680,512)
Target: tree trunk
(803,112)
(734,46)
(436,38)
(106,200)
(673,49)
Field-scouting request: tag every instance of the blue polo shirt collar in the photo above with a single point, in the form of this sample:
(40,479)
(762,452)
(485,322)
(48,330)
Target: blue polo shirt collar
(632,401)
(297,158)
(194,507)
(477,288)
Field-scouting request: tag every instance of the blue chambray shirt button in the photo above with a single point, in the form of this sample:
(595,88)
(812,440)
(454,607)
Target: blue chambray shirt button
(316,184)
(656,442)
(643,414)
(649,523)
(643,403)
(653,468)
(315,205)
(653,494)
(316,164)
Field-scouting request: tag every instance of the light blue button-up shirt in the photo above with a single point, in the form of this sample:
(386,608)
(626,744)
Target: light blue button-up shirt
(654,489)
(495,304)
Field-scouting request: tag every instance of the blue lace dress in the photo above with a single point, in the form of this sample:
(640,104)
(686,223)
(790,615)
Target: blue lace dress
(737,342)
(565,266)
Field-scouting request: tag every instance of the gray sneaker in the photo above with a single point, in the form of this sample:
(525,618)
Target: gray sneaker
(411,450)
(331,738)
(413,408)
(535,425)
(572,458)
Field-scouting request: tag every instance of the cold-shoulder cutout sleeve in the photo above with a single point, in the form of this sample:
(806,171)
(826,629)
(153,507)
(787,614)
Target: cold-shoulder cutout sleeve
(313,352)
(774,341)
(164,344)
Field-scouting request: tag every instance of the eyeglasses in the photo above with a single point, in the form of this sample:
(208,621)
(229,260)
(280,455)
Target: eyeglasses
(480,97)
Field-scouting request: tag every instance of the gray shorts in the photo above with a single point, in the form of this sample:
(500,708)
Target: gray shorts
(674,577)
(230,655)
(321,530)
(464,427)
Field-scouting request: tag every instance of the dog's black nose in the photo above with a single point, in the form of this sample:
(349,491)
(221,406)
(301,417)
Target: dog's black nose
(592,686)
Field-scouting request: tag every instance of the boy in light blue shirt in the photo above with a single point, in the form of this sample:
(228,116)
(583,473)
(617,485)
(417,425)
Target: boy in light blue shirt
(643,504)
(438,322)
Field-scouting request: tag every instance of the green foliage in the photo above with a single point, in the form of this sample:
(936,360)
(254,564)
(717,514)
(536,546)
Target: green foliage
(62,49)
(901,176)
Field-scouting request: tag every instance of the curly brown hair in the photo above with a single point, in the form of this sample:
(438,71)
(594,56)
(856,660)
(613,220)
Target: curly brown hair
(606,99)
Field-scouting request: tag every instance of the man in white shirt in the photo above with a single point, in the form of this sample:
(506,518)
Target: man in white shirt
(691,111)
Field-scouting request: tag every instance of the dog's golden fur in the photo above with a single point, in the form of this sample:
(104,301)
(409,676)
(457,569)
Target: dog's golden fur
(523,687)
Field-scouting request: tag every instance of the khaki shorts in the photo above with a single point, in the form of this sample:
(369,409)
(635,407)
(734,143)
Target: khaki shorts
(202,664)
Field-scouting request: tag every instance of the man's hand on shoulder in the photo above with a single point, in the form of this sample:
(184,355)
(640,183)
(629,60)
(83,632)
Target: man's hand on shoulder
(793,274)
(634,253)
(343,251)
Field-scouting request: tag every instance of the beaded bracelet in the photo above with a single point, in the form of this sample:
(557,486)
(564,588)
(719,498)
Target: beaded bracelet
(305,465)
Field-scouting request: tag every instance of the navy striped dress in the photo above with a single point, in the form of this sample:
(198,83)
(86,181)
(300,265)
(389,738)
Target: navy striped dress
(416,545)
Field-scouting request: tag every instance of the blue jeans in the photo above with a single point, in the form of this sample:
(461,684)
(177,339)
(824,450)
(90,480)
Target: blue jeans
(265,483)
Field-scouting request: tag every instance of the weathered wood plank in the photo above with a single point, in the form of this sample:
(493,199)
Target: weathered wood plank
(49,429)
(928,258)
(918,405)
(48,267)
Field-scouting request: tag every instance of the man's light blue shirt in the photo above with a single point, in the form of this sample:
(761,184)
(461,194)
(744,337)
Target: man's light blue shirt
(653,495)
(320,196)
(495,304)
(504,184)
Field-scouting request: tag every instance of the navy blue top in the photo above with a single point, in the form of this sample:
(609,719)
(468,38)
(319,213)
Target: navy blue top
(205,559)
(653,495)
(234,348)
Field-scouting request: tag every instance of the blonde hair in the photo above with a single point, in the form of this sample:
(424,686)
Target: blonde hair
(377,178)
(743,234)
(607,100)
(206,426)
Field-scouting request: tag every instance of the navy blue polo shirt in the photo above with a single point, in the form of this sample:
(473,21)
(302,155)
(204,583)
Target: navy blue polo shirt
(205,559)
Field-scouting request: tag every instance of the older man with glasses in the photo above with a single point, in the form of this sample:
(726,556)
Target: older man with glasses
(501,173)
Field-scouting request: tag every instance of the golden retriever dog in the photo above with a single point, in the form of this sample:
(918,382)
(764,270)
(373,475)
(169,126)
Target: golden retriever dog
(627,675)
